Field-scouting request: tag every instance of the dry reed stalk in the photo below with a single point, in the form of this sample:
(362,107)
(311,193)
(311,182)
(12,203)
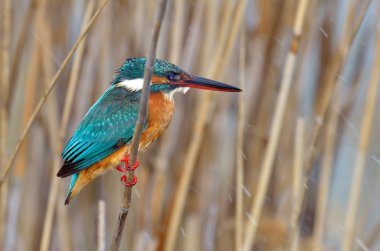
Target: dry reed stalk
(160,179)
(264,7)
(262,107)
(162,162)
(49,214)
(239,147)
(30,88)
(177,31)
(54,182)
(3,214)
(73,81)
(28,102)
(47,91)
(265,103)
(218,167)
(373,237)
(143,242)
(191,48)
(218,65)
(324,181)
(137,229)
(364,139)
(133,151)
(158,188)
(225,20)
(22,39)
(139,24)
(267,166)
(225,38)
(45,48)
(209,34)
(167,146)
(52,117)
(101,226)
(5,73)
(4,92)
(29,94)
(297,185)
(191,233)
(184,182)
(331,78)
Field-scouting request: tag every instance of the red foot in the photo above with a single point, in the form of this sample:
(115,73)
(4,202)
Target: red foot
(128,184)
(126,163)
(125,171)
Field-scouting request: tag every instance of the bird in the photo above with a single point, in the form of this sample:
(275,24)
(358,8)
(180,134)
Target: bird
(102,139)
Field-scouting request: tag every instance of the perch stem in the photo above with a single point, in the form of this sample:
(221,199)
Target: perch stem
(126,202)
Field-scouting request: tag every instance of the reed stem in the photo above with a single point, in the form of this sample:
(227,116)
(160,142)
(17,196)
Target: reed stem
(126,201)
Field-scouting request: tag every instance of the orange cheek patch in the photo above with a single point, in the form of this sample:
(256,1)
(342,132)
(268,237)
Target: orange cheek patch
(158,80)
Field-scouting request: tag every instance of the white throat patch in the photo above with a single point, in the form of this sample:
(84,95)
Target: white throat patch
(136,85)
(132,84)
(170,94)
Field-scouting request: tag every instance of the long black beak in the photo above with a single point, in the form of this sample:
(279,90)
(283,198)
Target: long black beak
(207,84)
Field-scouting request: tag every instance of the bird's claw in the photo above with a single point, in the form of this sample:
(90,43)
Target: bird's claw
(125,171)
(124,181)
(127,167)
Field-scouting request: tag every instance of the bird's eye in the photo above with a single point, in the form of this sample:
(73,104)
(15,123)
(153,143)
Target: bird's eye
(172,76)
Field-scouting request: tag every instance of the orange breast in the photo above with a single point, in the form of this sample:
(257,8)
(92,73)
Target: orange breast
(161,111)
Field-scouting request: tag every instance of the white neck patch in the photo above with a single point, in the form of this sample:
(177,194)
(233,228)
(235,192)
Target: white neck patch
(170,94)
(134,85)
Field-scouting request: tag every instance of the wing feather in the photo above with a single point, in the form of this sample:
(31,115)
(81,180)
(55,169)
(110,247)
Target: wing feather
(108,126)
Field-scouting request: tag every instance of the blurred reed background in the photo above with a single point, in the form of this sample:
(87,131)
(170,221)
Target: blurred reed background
(267,169)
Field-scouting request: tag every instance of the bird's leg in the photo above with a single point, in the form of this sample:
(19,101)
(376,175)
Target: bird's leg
(127,169)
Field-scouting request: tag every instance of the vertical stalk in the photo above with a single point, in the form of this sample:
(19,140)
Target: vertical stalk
(101,226)
(239,147)
(275,130)
(4,92)
(297,184)
(335,65)
(177,31)
(54,185)
(222,54)
(324,182)
(361,154)
(149,64)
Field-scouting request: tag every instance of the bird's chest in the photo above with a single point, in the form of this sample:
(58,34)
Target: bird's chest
(160,114)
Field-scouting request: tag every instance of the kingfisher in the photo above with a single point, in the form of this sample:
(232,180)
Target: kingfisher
(102,139)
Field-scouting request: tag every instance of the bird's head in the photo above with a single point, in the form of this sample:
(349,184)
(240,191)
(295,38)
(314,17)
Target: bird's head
(166,77)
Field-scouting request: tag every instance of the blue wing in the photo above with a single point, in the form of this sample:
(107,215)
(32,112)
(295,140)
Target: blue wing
(108,126)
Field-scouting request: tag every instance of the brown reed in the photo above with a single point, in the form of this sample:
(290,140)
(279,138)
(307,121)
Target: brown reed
(361,153)
(267,165)
(141,119)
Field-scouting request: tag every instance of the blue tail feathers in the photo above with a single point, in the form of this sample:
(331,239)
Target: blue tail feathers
(74,178)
